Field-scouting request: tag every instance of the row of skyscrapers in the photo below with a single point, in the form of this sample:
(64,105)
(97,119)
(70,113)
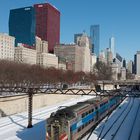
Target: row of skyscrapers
(34,38)
(42,20)
(41,23)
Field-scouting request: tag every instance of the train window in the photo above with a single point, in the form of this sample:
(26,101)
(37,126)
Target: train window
(83,115)
(89,111)
(79,129)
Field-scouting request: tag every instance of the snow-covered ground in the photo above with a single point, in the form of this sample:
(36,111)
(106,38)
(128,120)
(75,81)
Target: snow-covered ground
(122,124)
(14,127)
(126,117)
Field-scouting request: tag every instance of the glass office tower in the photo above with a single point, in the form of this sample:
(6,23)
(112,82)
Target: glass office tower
(22,25)
(48,24)
(95,38)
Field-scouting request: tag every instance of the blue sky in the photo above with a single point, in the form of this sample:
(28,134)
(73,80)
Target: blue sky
(120,18)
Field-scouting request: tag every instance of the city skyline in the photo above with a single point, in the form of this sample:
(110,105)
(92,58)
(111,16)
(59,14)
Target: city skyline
(116,18)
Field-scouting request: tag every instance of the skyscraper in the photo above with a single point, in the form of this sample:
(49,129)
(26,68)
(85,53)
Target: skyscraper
(22,25)
(130,66)
(112,46)
(124,63)
(135,64)
(95,38)
(48,24)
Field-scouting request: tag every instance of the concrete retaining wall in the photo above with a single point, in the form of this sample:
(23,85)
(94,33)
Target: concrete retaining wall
(13,105)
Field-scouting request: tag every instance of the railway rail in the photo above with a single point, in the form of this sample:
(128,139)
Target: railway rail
(136,116)
(106,131)
(127,112)
(113,123)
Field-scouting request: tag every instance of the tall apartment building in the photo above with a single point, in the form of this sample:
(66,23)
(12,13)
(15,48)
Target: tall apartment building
(130,66)
(137,63)
(22,25)
(95,39)
(109,56)
(48,24)
(112,46)
(25,54)
(7,44)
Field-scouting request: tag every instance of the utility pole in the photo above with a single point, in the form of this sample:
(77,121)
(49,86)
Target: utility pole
(30,107)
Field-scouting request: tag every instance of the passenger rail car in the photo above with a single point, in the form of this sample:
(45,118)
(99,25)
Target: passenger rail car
(72,123)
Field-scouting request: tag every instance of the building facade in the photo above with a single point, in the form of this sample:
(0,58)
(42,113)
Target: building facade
(41,45)
(48,24)
(115,71)
(76,37)
(95,39)
(22,25)
(77,58)
(119,60)
(123,73)
(93,61)
(7,47)
(62,66)
(102,57)
(44,58)
(25,54)
(47,60)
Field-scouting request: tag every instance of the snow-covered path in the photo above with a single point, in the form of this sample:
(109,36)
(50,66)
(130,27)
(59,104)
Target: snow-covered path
(14,127)
(123,124)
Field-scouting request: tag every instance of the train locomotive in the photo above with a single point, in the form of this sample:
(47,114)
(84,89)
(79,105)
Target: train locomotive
(72,123)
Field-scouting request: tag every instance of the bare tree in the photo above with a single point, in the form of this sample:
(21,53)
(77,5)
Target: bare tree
(102,71)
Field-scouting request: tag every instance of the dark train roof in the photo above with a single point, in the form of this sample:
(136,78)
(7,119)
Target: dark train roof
(70,112)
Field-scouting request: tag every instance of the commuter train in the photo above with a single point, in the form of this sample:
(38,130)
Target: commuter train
(72,123)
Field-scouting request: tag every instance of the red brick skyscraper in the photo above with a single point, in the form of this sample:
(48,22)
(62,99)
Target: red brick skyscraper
(48,24)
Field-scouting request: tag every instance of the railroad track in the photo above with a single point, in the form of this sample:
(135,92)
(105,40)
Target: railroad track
(134,122)
(114,135)
(101,135)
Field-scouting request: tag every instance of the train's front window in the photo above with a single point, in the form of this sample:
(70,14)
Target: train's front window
(56,132)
